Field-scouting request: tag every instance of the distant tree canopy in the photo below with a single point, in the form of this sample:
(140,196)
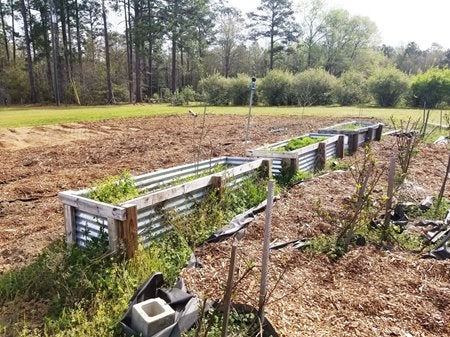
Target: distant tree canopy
(431,87)
(104,51)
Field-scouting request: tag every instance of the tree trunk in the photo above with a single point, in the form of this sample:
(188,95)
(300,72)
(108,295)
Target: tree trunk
(55,53)
(174,64)
(13,31)
(5,37)
(137,52)
(78,32)
(45,28)
(111,99)
(129,42)
(271,50)
(23,9)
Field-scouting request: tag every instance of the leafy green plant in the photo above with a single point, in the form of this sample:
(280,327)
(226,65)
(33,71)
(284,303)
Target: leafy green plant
(114,189)
(387,86)
(297,143)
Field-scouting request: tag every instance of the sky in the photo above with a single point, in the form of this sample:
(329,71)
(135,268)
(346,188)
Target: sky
(398,21)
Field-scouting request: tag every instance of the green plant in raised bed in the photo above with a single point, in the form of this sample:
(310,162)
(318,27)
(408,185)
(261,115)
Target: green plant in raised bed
(114,189)
(297,143)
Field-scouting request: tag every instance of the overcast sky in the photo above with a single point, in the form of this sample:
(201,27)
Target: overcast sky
(398,21)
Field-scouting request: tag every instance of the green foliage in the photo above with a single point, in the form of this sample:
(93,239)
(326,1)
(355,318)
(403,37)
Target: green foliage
(352,89)
(217,210)
(313,87)
(275,87)
(297,143)
(387,86)
(239,89)
(431,88)
(114,189)
(215,89)
(239,325)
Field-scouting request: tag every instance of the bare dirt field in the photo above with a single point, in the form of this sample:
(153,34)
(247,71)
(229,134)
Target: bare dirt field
(368,292)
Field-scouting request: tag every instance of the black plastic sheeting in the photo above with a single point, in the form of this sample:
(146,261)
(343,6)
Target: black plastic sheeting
(186,306)
(239,222)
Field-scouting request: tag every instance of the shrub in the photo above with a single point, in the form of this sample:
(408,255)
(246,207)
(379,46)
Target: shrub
(188,94)
(387,86)
(431,87)
(275,87)
(239,89)
(215,89)
(313,87)
(351,89)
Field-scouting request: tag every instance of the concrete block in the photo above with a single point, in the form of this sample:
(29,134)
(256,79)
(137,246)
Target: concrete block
(151,316)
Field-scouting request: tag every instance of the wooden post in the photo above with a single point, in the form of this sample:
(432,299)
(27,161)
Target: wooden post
(321,156)
(113,234)
(218,182)
(379,132)
(353,143)
(127,231)
(340,147)
(369,134)
(291,165)
(71,225)
(390,194)
(267,165)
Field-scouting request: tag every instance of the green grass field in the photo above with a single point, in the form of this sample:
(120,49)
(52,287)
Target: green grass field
(18,116)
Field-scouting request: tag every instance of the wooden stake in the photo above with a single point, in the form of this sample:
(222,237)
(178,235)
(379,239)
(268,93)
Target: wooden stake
(321,156)
(229,289)
(340,147)
(390,194)
(71,225)
(127,232)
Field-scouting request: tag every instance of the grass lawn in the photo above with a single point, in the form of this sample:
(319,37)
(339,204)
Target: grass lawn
(17,116)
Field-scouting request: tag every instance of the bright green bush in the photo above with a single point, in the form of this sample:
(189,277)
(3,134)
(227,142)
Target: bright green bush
(215,89)
(387,86)
(431,87)
(351,89)
(275,87)
(239,89)
(313,87)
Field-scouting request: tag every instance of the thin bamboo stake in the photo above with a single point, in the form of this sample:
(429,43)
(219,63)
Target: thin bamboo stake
(228,292)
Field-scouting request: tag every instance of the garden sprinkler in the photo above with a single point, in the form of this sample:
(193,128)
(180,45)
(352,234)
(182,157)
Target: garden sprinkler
(252,92)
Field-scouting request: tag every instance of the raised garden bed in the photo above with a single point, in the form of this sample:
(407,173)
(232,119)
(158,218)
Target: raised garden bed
(141,218)
(308,158)
(358,132)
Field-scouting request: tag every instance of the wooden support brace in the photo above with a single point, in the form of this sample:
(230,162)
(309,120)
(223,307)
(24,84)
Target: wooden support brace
(353,143)
(113,234)
(291,165)
(71,225)
(370,134)
(127,231)
(218,182)
(321,156)
(340,147)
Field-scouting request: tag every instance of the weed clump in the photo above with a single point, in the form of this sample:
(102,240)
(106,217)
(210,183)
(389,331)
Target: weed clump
(297,143)
(114,189)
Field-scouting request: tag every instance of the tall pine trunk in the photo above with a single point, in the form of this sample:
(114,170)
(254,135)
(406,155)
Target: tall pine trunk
(137,52)
(24,11)
(13,31)
(5,37)
(110,95)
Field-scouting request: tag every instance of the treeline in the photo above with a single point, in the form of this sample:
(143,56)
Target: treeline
(107,51)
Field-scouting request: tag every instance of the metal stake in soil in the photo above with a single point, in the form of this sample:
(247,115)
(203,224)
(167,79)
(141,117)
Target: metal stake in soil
(265,255)
(252,92)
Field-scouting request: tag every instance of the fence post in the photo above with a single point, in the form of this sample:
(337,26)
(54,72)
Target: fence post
(321,156)
(71,225)
(113,234)
(291,165)
(340,147)
(127,231)
(379,132)
(218,182)
(353,142)
(267,164)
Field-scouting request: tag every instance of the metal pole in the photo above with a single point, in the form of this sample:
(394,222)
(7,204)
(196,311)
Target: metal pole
(252,91)
(266,248)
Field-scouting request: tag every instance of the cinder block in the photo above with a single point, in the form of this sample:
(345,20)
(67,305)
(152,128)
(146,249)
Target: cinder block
(151,316)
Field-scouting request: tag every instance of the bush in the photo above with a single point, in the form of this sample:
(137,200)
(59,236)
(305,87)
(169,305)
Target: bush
(188,94)
(239,89)
(431,87)
(313,87)
(351,89)
(215,89)
(387,86)
(275,87)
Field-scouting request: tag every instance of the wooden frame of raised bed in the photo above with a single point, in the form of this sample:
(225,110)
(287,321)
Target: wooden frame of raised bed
(308,158)
(356,136)
(141,218)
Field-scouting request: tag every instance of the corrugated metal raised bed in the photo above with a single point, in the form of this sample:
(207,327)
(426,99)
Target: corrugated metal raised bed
(87,219)
(308,158)
(358,132)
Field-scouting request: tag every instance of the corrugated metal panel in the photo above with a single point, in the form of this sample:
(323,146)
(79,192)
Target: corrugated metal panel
(89,226)
(307,161)
(330,151)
